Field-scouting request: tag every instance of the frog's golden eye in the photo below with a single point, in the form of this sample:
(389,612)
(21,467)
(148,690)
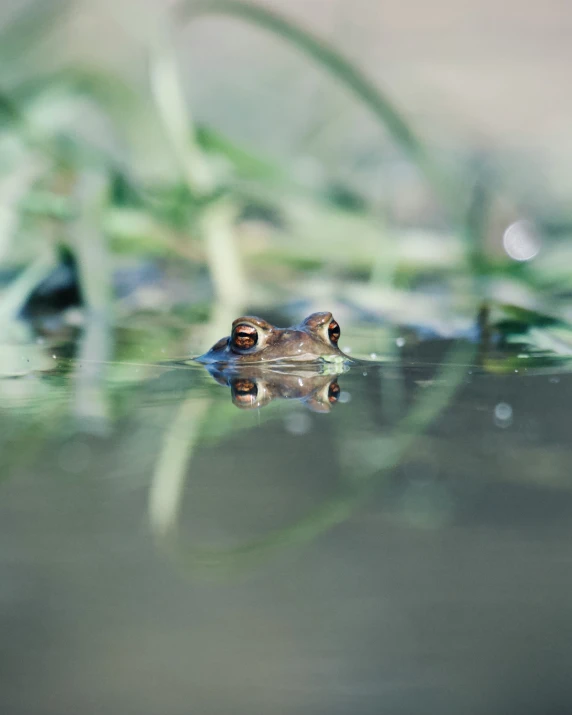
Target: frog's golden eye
(334,332)
(244,336)
(244,392)
(333,393)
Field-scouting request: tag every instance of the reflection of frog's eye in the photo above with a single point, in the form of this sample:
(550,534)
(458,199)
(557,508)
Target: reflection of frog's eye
(333,392)
(244,391)
(334,332)
(244,336)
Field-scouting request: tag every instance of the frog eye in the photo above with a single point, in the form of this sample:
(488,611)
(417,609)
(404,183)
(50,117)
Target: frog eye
(333,392)
(334,332)
(244,392)
(244,336)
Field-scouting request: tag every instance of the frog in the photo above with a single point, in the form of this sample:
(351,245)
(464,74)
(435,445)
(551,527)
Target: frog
(254,386)
(255,341)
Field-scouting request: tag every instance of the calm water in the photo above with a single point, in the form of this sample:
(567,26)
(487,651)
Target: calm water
(407,551)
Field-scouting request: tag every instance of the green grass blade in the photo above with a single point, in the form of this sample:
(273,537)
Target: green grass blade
(341,69)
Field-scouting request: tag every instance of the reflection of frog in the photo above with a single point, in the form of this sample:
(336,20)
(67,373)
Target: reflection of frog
(255,341)
(254,386)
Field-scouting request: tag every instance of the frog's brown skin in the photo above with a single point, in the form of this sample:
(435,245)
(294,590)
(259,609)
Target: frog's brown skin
(254,341)
(255,386)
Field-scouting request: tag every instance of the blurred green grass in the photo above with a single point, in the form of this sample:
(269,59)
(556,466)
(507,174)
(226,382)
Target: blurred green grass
(245,219)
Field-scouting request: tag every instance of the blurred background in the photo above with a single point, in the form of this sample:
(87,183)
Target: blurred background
(388,538)
(236,151)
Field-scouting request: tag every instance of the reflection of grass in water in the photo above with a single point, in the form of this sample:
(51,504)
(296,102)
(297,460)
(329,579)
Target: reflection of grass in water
(28,422)
(384,453)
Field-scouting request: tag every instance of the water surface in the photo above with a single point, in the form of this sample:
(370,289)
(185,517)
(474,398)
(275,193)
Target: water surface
(407,551)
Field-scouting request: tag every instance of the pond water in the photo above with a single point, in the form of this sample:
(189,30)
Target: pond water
(402,547)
